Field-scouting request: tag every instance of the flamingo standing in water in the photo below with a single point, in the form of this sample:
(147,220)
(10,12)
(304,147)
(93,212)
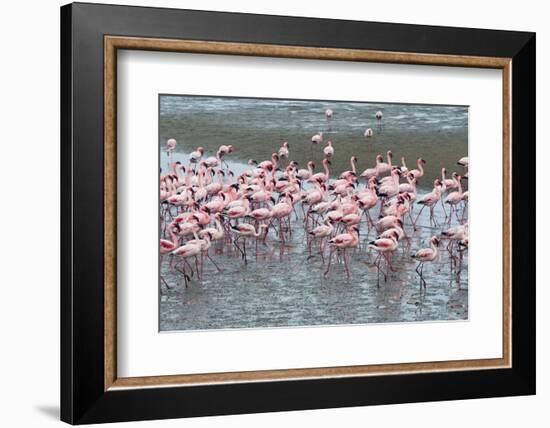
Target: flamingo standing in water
(454,198)
(430,200)
(373,172)
(170,147)
(455,235)
(283,151)
(426,255)
(342,242)
(385,167)
(368,133)
(419,172)
(352,173)
(328,150)
(187,251)
(385,246)
(305,174)
(379,115)
(317,138)
(246,230)
(222,151)
(166,247)
(328,115)
(464,163)
(195,157)
(320,176)
(322,232)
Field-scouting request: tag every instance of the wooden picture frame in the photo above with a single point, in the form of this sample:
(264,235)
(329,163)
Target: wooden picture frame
(91,390)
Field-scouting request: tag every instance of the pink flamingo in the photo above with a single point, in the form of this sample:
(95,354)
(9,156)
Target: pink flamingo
(283,151)
(384,246)
(317,138)
(166,247)
(426,255)
(170,146)
(321,232)
(320,176)
(305,174)
(430,200)
(373,172)
(419,172)
(341,243)
(328,150)
(379,115)
(195,156)
(350,174)
(454,198)
(185,252)
(222,151)
(385,167)
(246,230)
(280,211)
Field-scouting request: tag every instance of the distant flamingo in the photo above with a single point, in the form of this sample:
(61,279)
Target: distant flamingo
(328,150)
(196,156)
(283,151)
(379,115)
(368,133)
(317,138)
(170,147)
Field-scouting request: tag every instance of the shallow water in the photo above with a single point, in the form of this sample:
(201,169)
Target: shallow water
(256,128)
(284,285)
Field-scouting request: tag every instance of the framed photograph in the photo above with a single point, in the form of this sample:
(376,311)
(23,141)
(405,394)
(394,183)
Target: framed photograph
(266,213)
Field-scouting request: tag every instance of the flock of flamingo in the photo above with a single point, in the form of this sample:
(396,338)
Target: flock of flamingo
(204,206)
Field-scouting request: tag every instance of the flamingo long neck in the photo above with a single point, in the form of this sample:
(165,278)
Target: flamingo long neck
(420,166)
(389,156)
(352,162)
(460,187)
(327,172)
(310,168)
(257,233)
(219,226)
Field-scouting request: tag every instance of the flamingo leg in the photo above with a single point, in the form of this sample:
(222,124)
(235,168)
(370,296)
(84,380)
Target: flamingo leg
(213,262)
(346,265)
(416,221)
(327,272)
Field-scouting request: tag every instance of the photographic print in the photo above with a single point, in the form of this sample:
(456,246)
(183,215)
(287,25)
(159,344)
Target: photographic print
(293,213)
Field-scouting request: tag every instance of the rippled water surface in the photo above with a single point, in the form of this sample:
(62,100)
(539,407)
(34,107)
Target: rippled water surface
(283,285)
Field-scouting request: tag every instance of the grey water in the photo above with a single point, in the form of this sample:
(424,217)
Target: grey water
(284,285)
